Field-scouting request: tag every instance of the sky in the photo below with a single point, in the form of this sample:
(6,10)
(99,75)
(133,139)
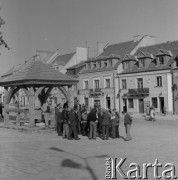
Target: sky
(66,24)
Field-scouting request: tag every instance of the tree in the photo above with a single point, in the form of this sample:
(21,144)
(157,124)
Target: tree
(2,41)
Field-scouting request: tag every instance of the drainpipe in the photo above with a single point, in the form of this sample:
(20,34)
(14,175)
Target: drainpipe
(119,94)
(114,90)
(172,90)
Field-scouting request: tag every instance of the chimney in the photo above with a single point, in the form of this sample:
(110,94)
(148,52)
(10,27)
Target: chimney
(100,47)
(136,38)
(81,53)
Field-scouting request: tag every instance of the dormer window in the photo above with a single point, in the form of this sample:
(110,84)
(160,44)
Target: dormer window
(110,62)
(105,63)
(94,65)
(126,65)
(142,62)
(161,60)
(177,63)
(89,66)
(99,63)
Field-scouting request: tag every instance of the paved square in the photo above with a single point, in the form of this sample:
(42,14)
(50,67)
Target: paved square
(45,156)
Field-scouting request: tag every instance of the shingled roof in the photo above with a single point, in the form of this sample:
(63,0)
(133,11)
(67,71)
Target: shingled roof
(37,73)
(169,48)
(63,59)
(117,51)
(80,64)
(120,49)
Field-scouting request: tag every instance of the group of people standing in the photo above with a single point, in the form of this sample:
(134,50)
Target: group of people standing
(96,122)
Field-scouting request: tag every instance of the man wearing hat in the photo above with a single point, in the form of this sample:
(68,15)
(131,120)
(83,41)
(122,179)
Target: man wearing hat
(73,123)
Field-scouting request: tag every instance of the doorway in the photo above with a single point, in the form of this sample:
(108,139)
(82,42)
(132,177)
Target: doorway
(125,105)
(108,102)
(141,105)
(161,102)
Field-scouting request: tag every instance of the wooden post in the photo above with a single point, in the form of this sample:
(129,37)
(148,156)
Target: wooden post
(6,113)
(25,116)
(18,119)
(6,118)
(31,106)
(70,97)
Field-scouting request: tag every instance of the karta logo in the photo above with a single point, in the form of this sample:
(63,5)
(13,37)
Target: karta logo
(114,170)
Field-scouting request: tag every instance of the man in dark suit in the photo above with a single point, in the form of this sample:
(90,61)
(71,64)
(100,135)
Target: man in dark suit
(106,122)
(58,116)
(1,110)
(93,119)
(73,123)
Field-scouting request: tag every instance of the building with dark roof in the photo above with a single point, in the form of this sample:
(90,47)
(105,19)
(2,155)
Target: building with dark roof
(64,61)
(148,79)
(97,82)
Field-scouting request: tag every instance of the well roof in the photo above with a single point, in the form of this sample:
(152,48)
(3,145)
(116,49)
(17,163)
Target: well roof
(37,73)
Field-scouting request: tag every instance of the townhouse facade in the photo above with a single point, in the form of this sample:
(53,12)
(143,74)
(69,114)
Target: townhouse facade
(148,79)
(98,82)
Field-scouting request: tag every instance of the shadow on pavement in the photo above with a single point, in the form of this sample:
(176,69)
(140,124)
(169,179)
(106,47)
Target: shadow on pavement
(72,164)
(57,149)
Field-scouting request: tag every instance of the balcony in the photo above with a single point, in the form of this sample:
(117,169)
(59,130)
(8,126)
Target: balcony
(138,92)
(83,91)
(98,90)
(95,92)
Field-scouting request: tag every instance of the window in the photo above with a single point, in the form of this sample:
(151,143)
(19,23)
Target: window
(140,83)
(89,66)
(176,63)
(154,102)
(107,83)
(142,62)
(75,87)
(96,84)
(126,65)
(161,60)
(86,85)
(110,62)
(86,102)
(94,65)
(124,84)
(131,104)
(159,81)
(105,63)
(99,63)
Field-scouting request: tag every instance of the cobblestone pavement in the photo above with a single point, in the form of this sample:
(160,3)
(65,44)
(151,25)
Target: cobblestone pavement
(36,156)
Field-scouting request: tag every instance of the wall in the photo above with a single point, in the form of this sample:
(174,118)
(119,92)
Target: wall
(175,82)
(149,82)
(106,91)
